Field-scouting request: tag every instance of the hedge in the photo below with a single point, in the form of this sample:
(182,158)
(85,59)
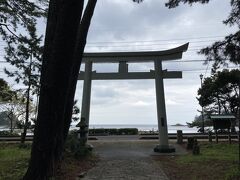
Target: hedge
(114,131)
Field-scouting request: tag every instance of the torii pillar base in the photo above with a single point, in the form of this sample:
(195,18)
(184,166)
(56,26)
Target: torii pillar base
(164,149)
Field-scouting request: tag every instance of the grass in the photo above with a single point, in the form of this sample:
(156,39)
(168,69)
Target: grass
(211,152)
(216,161)
(13,161)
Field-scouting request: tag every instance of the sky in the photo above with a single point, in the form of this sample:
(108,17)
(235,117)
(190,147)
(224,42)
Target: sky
(121,25)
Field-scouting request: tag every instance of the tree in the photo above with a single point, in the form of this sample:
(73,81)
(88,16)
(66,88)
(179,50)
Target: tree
(219,93)
(15,111)
(61,34)
(25,53)
(64,45)
(12,105)
(19,14)
(197,122)
(22,45)
(221,52)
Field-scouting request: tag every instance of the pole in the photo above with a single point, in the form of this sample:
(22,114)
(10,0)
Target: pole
(239,124)
(201,77)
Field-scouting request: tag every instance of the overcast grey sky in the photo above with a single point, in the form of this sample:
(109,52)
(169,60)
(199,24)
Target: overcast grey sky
(121,25)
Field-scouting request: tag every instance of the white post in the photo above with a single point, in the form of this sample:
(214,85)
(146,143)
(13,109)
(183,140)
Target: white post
(86,96)
(161,110)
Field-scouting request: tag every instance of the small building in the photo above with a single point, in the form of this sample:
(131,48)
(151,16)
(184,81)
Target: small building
(222,121)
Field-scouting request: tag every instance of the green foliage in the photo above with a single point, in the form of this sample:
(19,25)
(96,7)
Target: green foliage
(219,93)
(25,54)
(5,117)
(75,112)
(8,133)
(19,14)
(74,145)
(72,141)
(114,131)
(197,122)
(6,93)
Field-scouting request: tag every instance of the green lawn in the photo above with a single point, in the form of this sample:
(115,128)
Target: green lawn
(211,152)
(13,161)
(216,161)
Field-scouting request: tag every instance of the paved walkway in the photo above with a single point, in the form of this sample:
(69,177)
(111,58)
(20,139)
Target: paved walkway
(125,160)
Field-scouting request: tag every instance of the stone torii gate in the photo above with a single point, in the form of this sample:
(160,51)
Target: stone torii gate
(122,58)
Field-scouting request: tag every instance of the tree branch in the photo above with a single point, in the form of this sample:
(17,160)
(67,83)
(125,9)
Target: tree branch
(5,25)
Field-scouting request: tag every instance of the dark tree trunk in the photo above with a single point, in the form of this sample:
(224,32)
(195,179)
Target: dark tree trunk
(25,127)
(56,74)
(78,53)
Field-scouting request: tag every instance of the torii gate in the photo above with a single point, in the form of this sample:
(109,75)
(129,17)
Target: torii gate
(158,74)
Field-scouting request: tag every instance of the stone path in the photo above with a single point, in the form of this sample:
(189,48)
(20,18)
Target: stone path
(125,160)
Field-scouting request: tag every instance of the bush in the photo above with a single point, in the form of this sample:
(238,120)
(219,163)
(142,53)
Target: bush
(72,141)
(114,131)
(8,133)
(74,145)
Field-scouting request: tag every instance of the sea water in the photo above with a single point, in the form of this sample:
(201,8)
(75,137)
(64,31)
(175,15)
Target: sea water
(140,127)
(143,127)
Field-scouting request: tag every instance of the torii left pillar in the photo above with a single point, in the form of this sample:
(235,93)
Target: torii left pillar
(86,96)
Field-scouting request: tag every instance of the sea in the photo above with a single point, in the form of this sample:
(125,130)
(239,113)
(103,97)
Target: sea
(140,127)
(143,127)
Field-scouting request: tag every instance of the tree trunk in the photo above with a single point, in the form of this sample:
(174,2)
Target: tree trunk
(78,53)
(25,126)
(56,74)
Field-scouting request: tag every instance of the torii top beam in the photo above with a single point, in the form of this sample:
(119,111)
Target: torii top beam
(111,57)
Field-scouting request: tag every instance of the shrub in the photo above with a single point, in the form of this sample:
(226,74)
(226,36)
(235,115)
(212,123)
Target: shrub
(74,145)
(8,133)
(114,131)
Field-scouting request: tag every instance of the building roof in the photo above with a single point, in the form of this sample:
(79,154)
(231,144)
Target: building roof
(222,116)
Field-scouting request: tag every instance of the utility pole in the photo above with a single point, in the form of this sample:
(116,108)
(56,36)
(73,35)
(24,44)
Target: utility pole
(201,78)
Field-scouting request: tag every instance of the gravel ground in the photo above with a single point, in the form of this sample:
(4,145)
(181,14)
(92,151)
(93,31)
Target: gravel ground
(125,160)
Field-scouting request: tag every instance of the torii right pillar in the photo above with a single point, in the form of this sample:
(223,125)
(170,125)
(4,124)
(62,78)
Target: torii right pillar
(163,146)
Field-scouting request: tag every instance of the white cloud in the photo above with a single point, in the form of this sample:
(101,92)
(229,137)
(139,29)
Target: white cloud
(172,102)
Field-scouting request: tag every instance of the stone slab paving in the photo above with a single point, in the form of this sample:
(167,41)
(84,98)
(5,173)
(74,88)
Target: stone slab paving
(125,160)
(130,169)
